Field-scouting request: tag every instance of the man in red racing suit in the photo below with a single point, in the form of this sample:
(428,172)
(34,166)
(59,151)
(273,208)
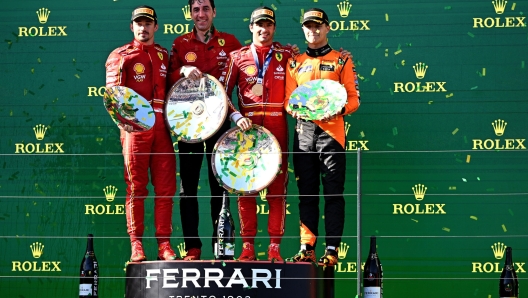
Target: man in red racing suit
(263,107)
(142,66)
(202,51)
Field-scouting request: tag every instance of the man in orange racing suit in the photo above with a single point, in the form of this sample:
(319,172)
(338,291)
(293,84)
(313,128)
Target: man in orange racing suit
(204,50)
(258,70)
(142,66)
(318,146)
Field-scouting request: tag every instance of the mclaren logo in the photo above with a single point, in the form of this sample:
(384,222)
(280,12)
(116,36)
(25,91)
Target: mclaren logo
(42,16)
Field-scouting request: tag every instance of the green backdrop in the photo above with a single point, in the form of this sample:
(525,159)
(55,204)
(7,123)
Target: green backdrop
(431,131)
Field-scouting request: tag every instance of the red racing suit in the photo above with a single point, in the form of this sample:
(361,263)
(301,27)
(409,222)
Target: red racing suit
(266,110)
(210,58)
(143,68)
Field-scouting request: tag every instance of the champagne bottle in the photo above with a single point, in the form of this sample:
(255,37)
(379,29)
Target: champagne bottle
(88,285)
(508,284)
(373,273)
(225,228)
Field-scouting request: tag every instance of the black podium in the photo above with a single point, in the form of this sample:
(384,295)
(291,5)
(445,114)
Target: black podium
(228,279)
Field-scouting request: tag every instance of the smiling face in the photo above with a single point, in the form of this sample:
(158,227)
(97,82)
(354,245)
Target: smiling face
(316,34)
(202,13)
(144,29)
(263,32)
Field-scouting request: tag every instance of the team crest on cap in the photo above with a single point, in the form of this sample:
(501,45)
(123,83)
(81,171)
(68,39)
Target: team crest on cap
(263,11)
(190,57)
(250,70)
(278,56)
(221,42)
(160,55)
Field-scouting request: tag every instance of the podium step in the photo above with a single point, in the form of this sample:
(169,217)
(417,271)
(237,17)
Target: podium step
(227,279)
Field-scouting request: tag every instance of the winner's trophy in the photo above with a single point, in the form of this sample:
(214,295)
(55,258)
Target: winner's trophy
(315,99)
(246,162)
(196,109)
(126,107)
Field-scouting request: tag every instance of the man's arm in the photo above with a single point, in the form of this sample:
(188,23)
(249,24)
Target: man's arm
(114,74)
(174,66)
(348,78)
(229,78)
(291,84)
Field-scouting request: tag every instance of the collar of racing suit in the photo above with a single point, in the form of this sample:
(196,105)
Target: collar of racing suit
(318,52)
(142,46)
(212,32)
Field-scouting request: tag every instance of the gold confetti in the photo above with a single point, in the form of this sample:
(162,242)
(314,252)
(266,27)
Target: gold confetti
(449,95)
(513,6)
(386,17)
(446,229)
(430,102)
(273,6)
(38,60)
(473,217)
(386,52)
(415,220)
(455,131)
(323,217)
(397,52)
(468,158)
(247,41)
(77,76)
(403,63)
(452,187)
(260,254)
(484,72)
(373,71)
(504,228)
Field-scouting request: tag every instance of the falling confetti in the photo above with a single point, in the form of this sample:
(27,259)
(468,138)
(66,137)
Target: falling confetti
(386,17)
(394,131)
(390,145)
(455,131)
(373,71)
(504,228)
(452,187)
(473,217)
(446,229)
(468,158)
(484,72)
(415,220)
(379,45)
(471,34)
(513,6)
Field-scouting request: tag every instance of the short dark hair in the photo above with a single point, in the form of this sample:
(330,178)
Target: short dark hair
(191,2)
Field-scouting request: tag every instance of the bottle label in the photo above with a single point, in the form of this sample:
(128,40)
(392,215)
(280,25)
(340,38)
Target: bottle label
(229,249)
(85,290)
(372,292)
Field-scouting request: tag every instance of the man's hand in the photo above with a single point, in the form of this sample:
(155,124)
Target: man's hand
(327,117)
(126,127)
(295,49)
(345,54)
(190,72)
(244,123)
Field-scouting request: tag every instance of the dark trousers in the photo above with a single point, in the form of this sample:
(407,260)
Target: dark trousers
(190,166)
(319,158)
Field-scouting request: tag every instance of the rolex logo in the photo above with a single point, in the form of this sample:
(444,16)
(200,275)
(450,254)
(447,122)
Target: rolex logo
(37,249)
(499,126)
(110,192)
(43,14)
(342,251)
(187,12)
(263,194)
(419,191)
(40,131)
(498,250)
(499,6)
(181,250)
(420,69)
(344,8)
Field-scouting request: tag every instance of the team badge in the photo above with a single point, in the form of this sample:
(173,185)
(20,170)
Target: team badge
(250,70)
(278,56)
(190,57)
(221,42)
(160,55)
(340,61)
(293,64)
